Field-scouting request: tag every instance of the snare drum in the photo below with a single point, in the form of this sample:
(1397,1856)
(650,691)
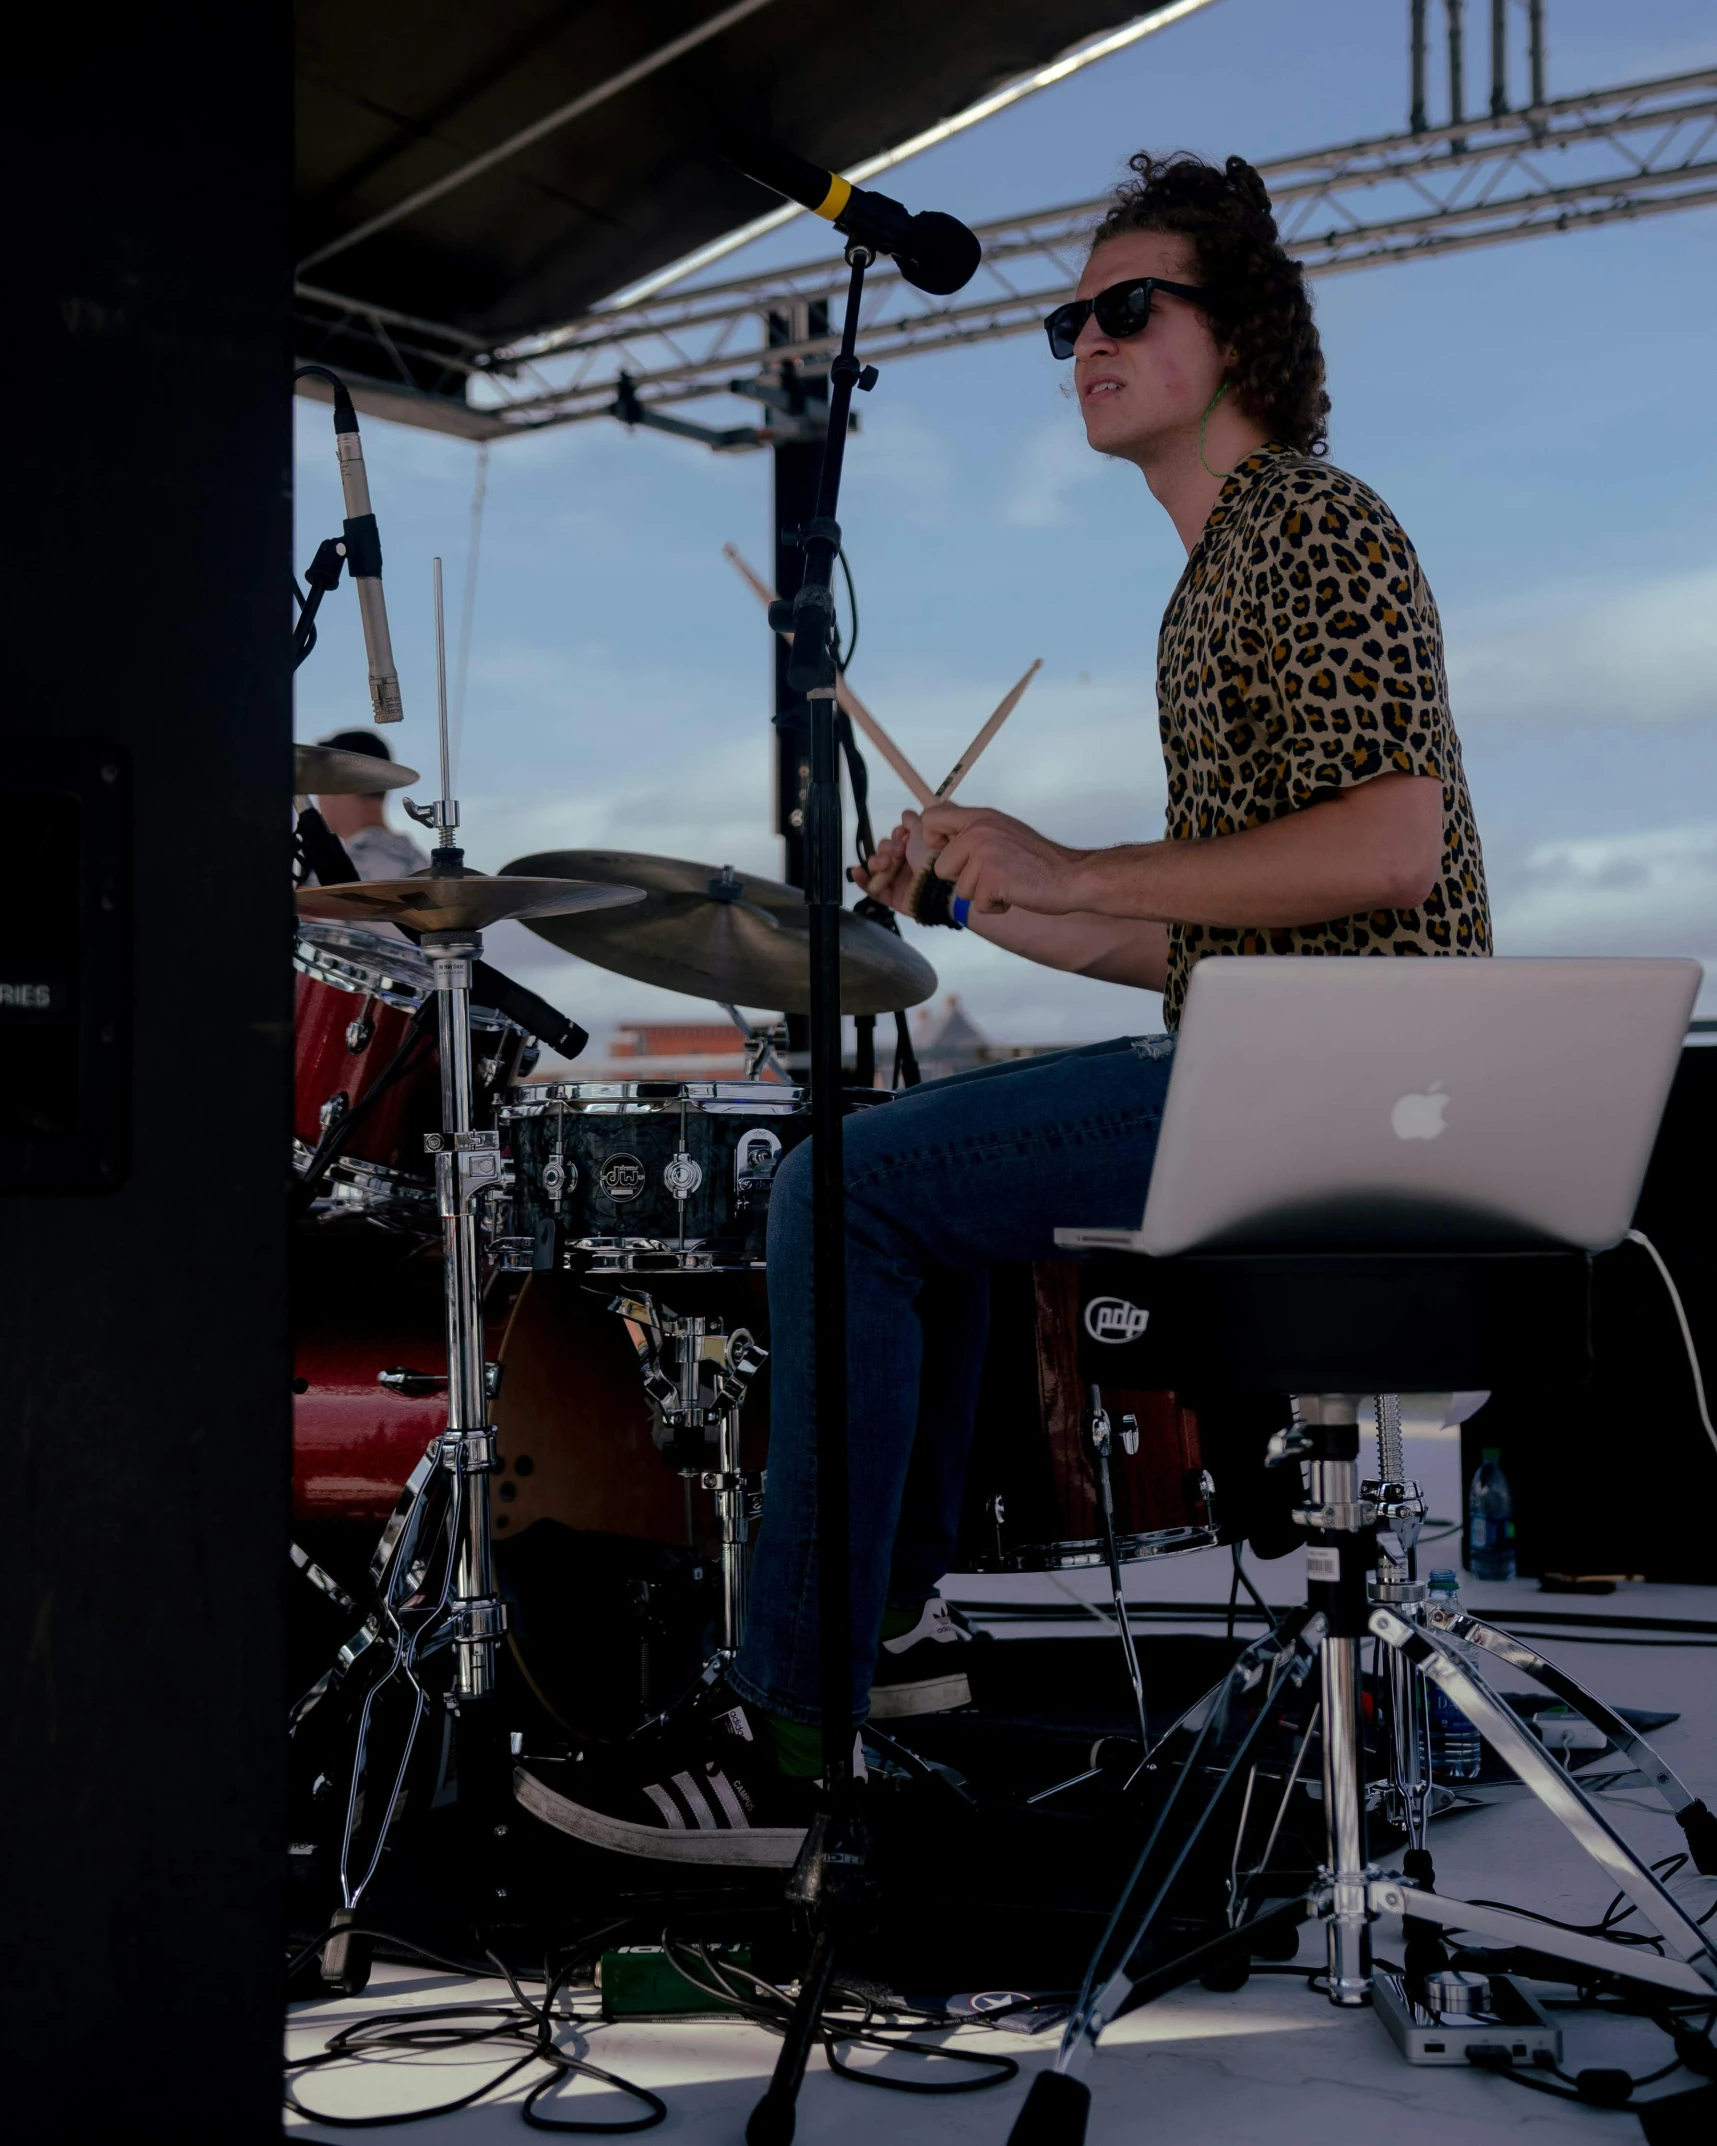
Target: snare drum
(1031,1492)
(649,1175)
(357,993)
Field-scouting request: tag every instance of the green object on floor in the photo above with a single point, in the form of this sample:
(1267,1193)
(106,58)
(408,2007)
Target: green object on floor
(643,1983)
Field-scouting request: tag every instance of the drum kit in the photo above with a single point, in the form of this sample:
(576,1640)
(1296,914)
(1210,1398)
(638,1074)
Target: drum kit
(611,1235)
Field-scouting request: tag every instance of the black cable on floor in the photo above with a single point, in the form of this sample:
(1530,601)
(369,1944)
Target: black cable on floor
(772,2009)
(1620,1908)
(419,2027)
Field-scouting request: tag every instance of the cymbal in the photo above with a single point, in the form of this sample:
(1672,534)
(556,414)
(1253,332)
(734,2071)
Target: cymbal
(470,903)
(327,771)
(721,934)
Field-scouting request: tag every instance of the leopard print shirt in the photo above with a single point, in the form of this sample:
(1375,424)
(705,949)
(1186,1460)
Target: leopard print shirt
(1301,654)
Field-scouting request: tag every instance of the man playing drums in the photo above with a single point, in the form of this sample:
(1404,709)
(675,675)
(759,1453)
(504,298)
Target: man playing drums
(1316,805)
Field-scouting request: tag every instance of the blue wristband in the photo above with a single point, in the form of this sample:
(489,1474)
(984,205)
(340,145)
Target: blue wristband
(961,910)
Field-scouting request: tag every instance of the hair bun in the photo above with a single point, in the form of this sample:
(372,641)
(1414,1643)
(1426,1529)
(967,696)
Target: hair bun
(1251,190)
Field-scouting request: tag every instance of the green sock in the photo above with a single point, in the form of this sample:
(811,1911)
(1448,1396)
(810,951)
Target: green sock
(798,1747)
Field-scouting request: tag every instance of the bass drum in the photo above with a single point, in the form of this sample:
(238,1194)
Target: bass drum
(1031,1490)
(603,1549)
(573,1426)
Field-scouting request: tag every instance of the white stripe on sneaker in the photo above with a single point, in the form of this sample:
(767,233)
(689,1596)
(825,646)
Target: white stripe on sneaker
(757,1848)
(665,1803)
(729,1802)
(706,1818)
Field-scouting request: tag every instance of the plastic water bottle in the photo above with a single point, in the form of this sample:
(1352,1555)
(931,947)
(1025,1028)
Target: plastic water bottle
(1456,1750)
(1490,1521)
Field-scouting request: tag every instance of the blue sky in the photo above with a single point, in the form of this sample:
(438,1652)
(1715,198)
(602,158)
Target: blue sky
(1539,415)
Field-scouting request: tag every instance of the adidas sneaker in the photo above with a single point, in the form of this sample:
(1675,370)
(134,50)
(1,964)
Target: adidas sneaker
(924,1670)
(711,1794)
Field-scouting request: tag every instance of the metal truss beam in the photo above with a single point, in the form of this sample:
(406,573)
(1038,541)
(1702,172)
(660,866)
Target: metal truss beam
(1570,164)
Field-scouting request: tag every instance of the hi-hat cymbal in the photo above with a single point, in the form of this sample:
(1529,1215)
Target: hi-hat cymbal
(469,903)
(328,771)
(721,934)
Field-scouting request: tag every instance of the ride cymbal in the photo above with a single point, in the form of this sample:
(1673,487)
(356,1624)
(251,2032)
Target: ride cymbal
(717,933)
(471,902)
(326,771)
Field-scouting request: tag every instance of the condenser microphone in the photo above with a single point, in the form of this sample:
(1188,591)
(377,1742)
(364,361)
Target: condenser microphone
(935,253)
(364,554)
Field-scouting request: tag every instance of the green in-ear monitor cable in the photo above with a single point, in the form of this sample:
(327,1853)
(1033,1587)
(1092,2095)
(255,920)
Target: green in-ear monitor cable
(1203,421)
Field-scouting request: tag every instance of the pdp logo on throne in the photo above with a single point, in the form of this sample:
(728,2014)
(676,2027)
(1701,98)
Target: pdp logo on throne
(1114,1319)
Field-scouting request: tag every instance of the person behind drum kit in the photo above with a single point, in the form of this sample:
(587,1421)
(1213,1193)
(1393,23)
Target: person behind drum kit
(377,850)
(1316,805)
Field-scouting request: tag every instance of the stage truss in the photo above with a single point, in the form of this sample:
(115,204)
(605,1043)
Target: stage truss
(1569,164)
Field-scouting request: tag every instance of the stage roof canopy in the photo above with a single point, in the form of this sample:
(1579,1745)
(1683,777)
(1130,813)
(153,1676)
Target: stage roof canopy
(397,97)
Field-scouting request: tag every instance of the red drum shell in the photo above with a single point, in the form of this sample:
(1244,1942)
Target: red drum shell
(325,1065)
(573,1426)
(365,1300)
(1029,1449)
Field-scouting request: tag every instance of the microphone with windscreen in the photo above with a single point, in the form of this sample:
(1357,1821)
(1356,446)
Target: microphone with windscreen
(934,252)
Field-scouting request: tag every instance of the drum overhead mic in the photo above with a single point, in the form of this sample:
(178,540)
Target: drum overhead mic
(363,552)
(934,252)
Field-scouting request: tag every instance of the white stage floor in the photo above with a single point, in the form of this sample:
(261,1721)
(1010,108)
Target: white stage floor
(1271,2063)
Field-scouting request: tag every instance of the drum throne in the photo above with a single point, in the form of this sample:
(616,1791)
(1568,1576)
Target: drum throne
(1410,1320)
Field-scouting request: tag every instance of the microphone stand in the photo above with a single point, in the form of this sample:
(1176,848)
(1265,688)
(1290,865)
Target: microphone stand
(831,1880)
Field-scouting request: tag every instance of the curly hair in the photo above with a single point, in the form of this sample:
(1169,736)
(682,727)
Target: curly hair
(1258,304)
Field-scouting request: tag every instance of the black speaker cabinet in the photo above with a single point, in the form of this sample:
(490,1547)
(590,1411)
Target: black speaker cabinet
(1618,1476)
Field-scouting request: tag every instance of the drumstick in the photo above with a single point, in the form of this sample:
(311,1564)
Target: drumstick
(963,766)
(847,698)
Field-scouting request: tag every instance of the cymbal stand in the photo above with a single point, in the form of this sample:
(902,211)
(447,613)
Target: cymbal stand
(831,1880)
(467,1171)
(761,1044)
(704,1391)
(449,1491)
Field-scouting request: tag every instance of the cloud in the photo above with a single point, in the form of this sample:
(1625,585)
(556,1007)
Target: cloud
(673,778)
(1643,655)
(905,472)
(1651,892)
(1052,466)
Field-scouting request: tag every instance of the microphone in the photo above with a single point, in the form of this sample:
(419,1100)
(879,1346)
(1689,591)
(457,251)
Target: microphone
(562,1034)
(364,554)
(935,253)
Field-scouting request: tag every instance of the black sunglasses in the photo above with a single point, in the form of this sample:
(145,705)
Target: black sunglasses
(1121,310)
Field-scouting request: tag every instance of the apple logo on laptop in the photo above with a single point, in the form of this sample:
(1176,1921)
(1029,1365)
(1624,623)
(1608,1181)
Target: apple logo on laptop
(1420,1117)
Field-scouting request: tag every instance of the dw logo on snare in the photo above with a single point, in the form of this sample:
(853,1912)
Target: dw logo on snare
(1114,1319)
(621,1177)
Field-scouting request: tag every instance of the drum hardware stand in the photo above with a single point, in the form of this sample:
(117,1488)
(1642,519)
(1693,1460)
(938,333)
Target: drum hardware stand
(1400,1516)
(688,1406)
(1341,1524)
(321,575)
(451,1483)
(1099,1436)
(761,1044)
(830,1881)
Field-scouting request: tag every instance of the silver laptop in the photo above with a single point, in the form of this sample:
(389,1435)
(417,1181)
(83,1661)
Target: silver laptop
(1374,1102)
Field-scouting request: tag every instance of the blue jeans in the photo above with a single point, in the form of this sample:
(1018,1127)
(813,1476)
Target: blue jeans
(944,1182)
